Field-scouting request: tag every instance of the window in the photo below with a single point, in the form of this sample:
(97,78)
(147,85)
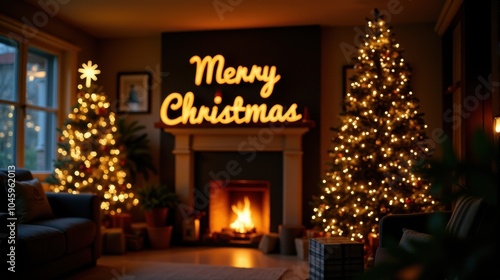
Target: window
(37,75)
(8,78)
(27,117)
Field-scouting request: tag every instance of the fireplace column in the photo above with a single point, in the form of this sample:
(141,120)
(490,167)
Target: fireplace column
(184,171)
(292,179)
(292,188)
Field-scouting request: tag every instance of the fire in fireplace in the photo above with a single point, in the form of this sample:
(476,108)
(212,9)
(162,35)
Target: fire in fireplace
(240,211)
(243,223)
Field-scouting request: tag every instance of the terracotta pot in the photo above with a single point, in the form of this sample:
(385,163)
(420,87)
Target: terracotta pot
(159,237)
(156,217)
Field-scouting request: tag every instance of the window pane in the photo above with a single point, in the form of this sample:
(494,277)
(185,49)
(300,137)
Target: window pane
(39,139)
(40,84)
(8,69)
(7,135)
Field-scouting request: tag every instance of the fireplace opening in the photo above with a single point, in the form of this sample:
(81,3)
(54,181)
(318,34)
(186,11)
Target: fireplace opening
(240,212)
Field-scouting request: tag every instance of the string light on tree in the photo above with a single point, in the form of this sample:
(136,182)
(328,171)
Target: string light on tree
(89,159)
(378,147)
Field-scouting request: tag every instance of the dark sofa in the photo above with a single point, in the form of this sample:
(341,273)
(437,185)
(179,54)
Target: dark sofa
(50,248)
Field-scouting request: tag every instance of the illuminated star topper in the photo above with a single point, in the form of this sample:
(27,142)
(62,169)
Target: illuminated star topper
(89,72)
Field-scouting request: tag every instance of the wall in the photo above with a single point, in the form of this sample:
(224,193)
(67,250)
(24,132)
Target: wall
(27,14)
(134,55)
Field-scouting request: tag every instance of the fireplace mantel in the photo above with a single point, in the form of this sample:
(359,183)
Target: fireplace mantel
(270,138)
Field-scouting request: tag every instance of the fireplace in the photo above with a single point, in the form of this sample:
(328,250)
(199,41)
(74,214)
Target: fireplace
(240,210)
(282,140)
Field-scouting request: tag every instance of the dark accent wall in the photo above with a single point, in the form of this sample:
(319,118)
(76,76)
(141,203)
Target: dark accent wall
(295,51)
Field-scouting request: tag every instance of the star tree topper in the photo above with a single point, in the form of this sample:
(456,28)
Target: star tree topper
(89,72)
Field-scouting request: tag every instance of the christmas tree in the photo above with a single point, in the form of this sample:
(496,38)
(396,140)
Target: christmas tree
(89,158)
(379,146)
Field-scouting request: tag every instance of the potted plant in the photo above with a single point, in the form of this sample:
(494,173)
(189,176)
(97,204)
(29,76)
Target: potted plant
(136,144)
(155,201)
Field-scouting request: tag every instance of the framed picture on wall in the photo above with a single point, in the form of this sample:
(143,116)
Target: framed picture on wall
(134,92)
(347,73)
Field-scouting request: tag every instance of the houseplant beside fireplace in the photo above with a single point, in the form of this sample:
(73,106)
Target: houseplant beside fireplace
(156,200)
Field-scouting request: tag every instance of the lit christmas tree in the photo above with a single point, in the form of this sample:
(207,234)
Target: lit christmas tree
(377,148)
(89,159)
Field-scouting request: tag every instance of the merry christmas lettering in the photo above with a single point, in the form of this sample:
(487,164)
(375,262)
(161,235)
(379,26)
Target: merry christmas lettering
(237,112)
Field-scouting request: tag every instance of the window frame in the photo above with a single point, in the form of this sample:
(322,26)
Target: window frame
(66,62)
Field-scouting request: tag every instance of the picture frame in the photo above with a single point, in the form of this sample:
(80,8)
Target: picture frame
(347,74)
(134,92)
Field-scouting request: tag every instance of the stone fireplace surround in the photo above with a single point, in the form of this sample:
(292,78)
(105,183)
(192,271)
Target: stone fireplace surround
(274,137)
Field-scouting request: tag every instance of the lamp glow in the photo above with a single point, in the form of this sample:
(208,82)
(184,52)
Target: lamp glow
(496,124)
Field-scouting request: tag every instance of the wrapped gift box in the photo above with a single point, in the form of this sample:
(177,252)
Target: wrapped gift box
(113,241)
(335,258)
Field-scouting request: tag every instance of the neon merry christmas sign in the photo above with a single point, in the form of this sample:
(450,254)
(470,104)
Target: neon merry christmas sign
(238,112)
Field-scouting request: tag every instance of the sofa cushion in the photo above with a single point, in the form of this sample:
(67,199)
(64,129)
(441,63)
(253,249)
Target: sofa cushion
(78,232)
(31,202)
(463,221)
(5,174)
(39,244)
(411,238)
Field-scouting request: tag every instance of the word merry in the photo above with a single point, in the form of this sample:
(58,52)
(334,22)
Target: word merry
(231,75)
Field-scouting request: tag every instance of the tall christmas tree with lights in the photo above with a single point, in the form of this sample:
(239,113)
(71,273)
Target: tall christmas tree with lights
(89,158)
(378,147)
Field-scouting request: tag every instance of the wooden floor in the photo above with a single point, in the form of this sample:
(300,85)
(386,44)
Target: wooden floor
(221,256)
(228,256)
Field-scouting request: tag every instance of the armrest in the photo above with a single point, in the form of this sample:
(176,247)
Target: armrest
(391,226)
(82,205)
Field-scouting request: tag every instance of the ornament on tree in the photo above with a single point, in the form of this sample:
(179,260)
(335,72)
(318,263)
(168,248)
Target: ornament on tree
(102,111)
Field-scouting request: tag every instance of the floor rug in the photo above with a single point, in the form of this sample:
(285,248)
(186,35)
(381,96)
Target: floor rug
(128,270)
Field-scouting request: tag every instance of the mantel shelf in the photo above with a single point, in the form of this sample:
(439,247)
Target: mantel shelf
(240,129)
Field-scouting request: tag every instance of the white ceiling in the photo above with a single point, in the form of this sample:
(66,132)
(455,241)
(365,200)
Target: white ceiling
(130,18)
